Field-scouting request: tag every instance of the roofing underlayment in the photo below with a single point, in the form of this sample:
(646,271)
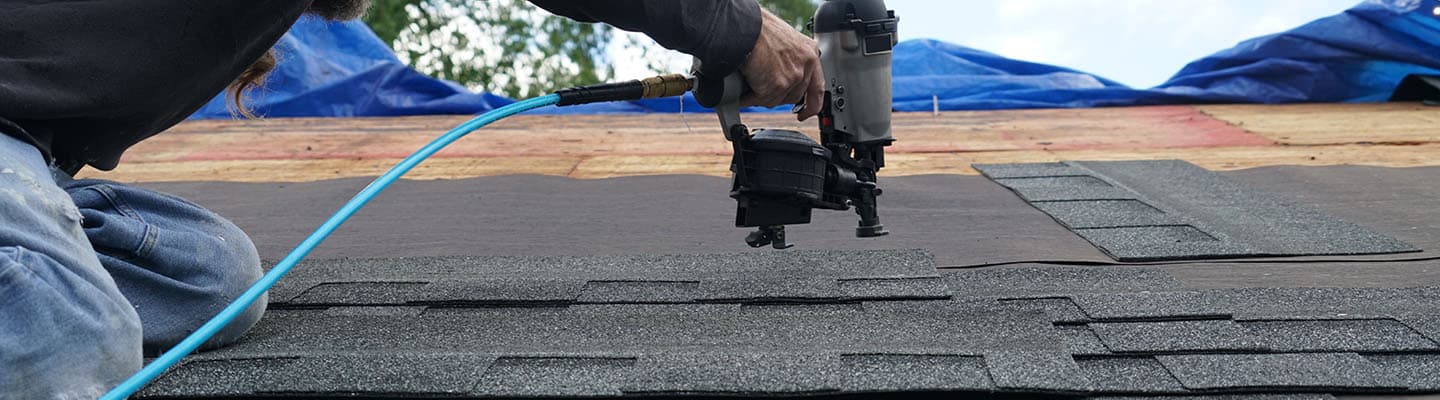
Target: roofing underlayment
(534,286)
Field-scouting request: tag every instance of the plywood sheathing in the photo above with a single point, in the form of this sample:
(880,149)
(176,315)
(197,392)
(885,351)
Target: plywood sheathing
(599,146)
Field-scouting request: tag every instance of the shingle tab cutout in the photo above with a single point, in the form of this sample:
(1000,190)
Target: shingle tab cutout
(1025,330)
(506,281)
(1174,210)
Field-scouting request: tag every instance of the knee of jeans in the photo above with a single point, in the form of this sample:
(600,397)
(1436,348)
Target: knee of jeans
(177,261)
(167,235)
(225,251)
(231,265)
(223,264)
(236,263)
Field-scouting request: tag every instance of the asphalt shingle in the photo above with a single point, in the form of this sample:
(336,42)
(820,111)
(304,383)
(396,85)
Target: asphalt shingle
(1025,330)
(804,276)
(1174,210)
(1290,371)
(1364,335)
(1129,375)
(1176,337)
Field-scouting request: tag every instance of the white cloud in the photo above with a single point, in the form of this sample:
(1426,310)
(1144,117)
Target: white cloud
(1022,8)
(1047,46)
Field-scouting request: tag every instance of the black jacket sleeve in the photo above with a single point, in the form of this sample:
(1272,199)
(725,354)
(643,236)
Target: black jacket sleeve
(720,33)
(88,79)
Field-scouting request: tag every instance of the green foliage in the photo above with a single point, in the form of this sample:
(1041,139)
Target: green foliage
(388,18)
(512,47)
(796,12)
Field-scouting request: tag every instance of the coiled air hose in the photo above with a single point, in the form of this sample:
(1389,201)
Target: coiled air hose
(660,86)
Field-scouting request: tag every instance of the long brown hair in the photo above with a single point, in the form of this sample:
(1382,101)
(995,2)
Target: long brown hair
(251,78)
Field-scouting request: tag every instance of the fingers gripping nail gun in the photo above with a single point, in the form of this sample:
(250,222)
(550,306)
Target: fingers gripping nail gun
(781,175)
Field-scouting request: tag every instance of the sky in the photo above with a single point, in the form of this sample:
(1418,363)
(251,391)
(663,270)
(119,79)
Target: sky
(1140,43)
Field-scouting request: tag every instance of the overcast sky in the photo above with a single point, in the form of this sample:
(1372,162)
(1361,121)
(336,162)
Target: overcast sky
(1137,42)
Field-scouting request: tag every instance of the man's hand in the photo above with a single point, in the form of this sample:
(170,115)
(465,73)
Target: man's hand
(784,68)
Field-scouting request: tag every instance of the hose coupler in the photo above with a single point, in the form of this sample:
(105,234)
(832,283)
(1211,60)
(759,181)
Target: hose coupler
(648,88)
(667,85)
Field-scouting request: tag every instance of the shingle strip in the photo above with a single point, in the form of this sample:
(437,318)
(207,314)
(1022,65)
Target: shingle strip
(742,277)
(1174,210)
(555,376)
(721,373)
(1177,337)
(904,372)
(1037,280)
(1278,396)
(1365,335)
(374,373)
(1081,341)
(1273,371)
(1036,371)
(1418,372)
(1129,375)
(1150,306)
(1060,309)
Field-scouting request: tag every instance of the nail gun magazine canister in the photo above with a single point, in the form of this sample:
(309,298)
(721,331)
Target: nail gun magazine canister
(784,167)
(856,39)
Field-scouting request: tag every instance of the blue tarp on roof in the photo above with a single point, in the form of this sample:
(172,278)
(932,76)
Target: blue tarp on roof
(343,69)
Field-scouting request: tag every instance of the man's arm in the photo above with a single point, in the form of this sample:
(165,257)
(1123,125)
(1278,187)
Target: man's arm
(781,65)
(719,32)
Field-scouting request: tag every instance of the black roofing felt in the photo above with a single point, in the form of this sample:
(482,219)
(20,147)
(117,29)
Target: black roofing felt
(962,220)
(958,218)
(1174,210)
(422,323)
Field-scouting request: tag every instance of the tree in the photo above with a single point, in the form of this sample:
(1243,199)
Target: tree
(512,47)
(797,12)
(388,18)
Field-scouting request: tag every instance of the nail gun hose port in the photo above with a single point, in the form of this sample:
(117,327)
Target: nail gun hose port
(648,88)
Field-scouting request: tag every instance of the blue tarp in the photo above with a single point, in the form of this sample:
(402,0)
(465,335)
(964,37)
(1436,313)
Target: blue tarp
(342,69)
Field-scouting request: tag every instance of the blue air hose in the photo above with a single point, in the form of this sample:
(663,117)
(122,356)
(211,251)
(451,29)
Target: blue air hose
(218,322)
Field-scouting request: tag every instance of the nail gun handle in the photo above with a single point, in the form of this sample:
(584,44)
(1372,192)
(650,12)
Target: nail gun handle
(715,92)
(722,94)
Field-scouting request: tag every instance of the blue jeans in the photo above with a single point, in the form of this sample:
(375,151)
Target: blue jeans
(93,274)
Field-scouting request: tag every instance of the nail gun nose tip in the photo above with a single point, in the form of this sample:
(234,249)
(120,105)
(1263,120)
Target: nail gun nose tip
(871,231)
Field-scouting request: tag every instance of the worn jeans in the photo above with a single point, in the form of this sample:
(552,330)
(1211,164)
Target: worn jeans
(95,274)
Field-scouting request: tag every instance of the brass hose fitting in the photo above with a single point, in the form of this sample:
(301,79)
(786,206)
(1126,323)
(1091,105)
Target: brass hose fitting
(665,86)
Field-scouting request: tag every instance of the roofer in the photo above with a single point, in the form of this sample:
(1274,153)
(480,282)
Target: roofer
(92,271)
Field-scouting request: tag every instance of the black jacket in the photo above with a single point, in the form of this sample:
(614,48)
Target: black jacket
(85,80)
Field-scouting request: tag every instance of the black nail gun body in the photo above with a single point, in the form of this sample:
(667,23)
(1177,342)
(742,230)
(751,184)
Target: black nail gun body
(781,175)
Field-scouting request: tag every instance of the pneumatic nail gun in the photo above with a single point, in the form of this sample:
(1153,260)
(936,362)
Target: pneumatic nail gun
(781,175)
